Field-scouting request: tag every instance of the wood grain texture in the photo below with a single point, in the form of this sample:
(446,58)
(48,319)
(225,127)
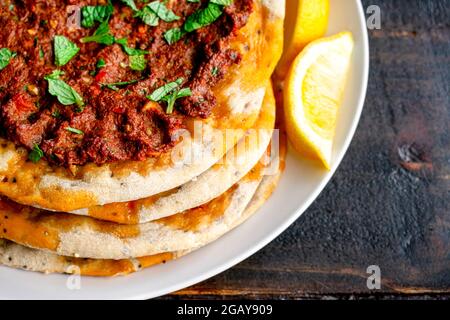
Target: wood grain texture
(388,203)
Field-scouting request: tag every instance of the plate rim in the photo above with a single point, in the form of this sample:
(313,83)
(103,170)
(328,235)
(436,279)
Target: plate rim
(145,293)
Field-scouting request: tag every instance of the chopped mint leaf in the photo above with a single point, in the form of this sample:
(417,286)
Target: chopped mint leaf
(64,49)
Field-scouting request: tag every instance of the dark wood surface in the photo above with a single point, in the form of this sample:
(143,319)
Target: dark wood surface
(388,204)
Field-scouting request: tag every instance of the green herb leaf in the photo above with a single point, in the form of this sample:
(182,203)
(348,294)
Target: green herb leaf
(172,98)
(138,63)
(131,4)
(147,16)
(92,14)
(65,94)
(163,91)
(100,63)
(170,93)
(74,130)
(65,50)
(162,11)
(203,17)
(215,71)
(173,35)
(154,11)
(56,114)
(35,154)
(128,50)
(114,86)
(102,35)
(5,57)
(54,75)
(185,92)
(222,2)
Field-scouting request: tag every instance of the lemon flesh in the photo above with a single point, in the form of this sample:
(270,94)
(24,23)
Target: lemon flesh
(313,94)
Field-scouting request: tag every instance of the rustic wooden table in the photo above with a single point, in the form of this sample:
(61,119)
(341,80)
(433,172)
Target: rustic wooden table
(388,204)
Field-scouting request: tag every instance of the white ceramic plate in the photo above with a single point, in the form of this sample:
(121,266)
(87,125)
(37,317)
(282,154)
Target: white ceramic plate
(301,184)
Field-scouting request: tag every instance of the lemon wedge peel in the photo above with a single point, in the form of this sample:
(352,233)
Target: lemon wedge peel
(306,21)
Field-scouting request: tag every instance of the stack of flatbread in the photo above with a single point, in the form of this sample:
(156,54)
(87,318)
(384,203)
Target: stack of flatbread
(118,218)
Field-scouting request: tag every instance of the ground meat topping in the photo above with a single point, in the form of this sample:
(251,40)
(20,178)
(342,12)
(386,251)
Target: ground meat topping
(86,95)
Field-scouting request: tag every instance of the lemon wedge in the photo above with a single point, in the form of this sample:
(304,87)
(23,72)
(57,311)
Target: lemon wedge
(306,20)
(313,93)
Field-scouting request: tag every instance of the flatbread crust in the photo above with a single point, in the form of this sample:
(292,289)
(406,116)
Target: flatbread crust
(17,256)
(239,95)
(21,257)
(71,235)
(228,171)
(78,236)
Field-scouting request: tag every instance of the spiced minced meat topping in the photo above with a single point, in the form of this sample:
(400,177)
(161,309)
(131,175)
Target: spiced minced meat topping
(104,81)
